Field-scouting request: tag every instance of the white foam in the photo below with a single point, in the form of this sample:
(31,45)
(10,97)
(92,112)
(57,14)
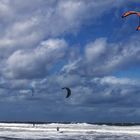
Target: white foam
(28,131)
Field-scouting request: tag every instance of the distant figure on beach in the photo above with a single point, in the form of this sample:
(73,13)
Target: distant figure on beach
(57,128)
(33,124)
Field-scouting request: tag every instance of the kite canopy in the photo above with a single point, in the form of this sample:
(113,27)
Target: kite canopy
(128,13)
(68,91)
(32,91)
(138,28)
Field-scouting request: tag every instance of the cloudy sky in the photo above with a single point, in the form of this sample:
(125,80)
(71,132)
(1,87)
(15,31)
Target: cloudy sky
(82,44)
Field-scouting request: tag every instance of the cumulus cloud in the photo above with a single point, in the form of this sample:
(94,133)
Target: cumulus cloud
(34,53)
(103,58)
(94,50)
(25,25)
(29,64)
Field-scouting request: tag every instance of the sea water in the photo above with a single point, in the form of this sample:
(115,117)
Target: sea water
(79,131)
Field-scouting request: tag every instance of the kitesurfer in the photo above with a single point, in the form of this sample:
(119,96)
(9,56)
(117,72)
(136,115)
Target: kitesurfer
(57,128)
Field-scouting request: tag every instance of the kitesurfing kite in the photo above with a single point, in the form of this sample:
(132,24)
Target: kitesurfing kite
(68,91)
(132,13)
(32,91)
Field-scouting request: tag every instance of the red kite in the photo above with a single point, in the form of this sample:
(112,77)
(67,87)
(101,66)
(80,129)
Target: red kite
(132,13)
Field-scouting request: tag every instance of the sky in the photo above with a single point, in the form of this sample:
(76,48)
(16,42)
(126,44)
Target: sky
(81,44)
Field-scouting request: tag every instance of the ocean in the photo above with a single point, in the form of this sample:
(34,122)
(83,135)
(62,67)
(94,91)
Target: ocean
(71,131)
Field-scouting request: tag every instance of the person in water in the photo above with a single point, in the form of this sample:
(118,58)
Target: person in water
(57,128)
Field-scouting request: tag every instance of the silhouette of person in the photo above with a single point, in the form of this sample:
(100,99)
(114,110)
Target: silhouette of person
(57,128)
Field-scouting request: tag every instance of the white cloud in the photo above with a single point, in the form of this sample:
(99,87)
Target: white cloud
(118,81)
(32,44)
(35,63)
(30,23)
(94,50)
(5,9)
(46,19)
(102,58)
